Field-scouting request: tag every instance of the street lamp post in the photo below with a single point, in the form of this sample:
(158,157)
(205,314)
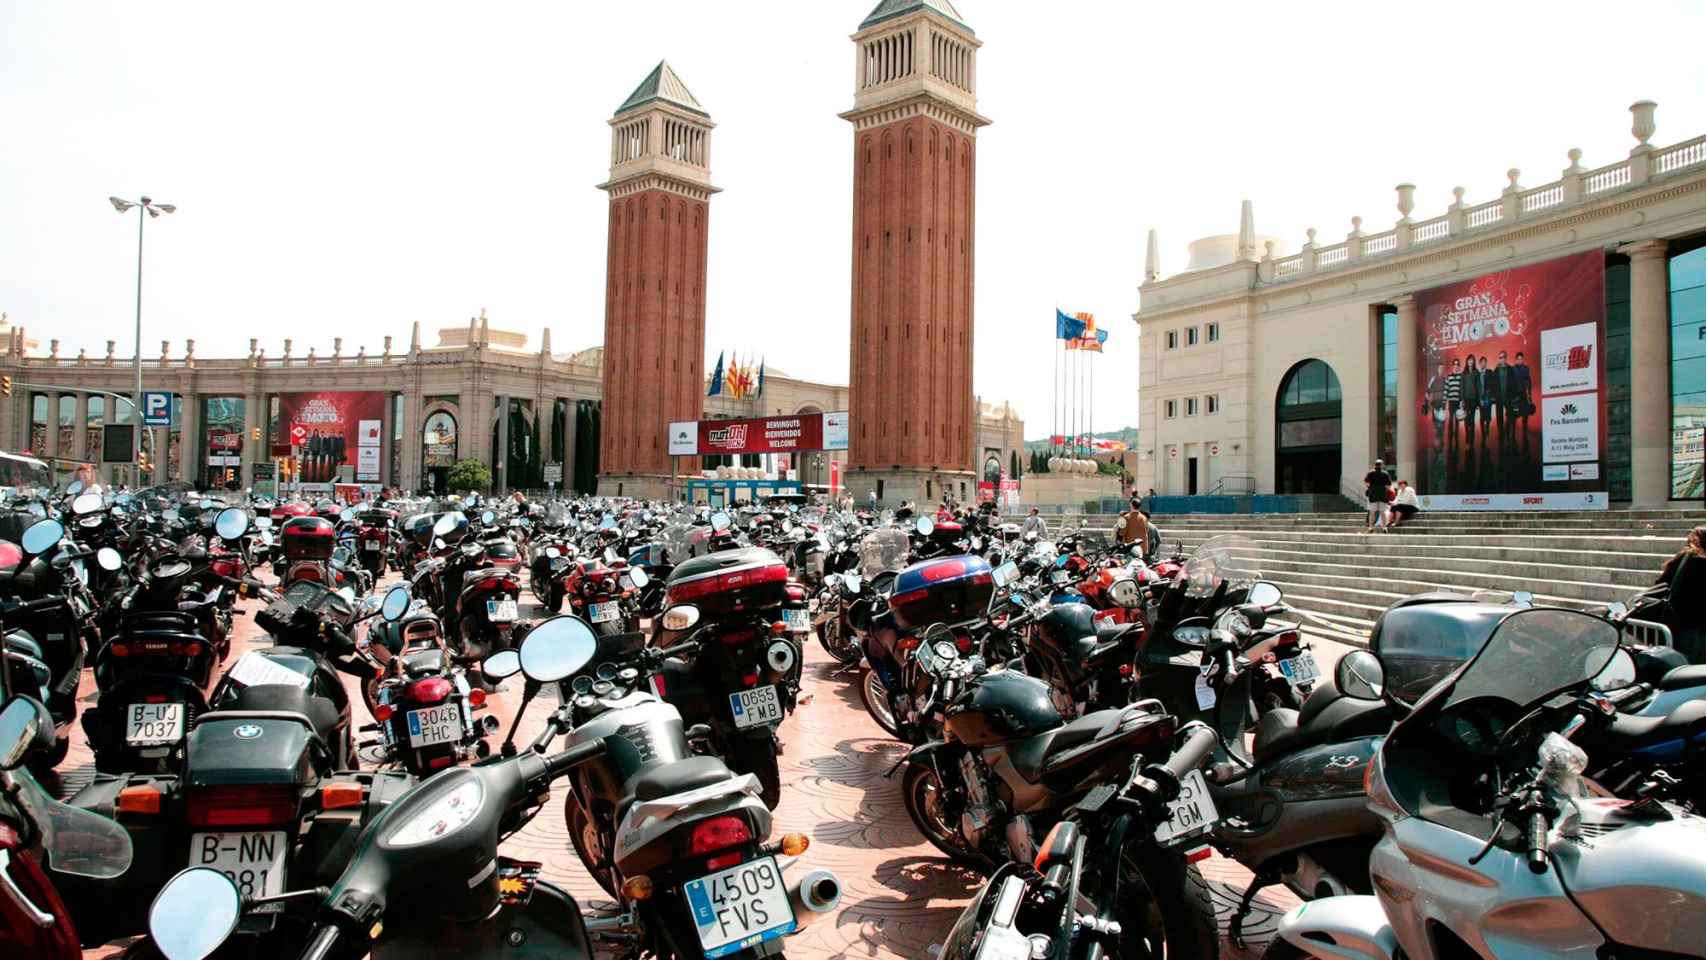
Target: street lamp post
(151,209)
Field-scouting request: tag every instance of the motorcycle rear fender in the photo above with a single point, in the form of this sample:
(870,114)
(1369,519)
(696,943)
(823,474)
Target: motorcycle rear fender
(1340,928)
(648,820)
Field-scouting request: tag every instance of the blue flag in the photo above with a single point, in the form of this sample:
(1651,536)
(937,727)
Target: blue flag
(1067,328)
(761,378)
(716,379)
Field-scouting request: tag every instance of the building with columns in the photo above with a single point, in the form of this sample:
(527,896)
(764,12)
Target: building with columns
(915,125)
(1266,372)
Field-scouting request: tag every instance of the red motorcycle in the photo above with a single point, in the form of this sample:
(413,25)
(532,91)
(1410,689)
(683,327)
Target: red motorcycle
(373,539)
(602,594)
(40,839)
(307,544)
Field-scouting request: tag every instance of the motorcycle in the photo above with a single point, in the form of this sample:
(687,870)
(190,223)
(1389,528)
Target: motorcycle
(1486,817)
(44,842)
(49,613)
(422,703)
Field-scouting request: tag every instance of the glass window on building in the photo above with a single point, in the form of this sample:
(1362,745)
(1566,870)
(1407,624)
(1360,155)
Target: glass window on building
(1190,406)
(1190,336)
(1688,370)
(1619,477)
(1213,332)
(1388,445)
(1172,339)
(1172,409)
(1211,403)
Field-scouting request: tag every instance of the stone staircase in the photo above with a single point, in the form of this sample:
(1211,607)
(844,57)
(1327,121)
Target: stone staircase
(1328,567)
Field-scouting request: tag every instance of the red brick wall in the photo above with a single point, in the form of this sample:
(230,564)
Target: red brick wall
(654,327)
(914,183)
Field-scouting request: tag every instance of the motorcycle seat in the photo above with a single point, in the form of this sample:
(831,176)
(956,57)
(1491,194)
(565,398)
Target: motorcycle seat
(133,620)
(1282,731)
(484,573)
(668,779)
(1633,732)
(1071,743)
(322,715)
(420,662)
(1107,630)
(1681,678)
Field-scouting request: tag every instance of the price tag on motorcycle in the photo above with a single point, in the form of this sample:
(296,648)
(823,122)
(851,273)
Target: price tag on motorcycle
(604,612)
(1206,697)
(501,611)
(755,706)
(1192,813)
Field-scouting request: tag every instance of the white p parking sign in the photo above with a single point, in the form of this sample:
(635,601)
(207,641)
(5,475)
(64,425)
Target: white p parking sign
(156,408)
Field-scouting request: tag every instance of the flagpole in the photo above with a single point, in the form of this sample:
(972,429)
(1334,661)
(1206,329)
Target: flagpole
(1054,408)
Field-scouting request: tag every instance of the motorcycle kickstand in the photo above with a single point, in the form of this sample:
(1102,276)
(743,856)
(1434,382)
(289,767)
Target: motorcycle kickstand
(1235,926)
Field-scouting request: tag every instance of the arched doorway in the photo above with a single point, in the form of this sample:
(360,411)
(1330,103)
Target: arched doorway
(1308,430)
(438,450)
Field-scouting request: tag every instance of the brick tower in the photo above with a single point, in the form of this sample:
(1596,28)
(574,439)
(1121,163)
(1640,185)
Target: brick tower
(915,127)
(654,295)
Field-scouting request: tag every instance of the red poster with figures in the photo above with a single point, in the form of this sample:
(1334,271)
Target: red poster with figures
(1512,389)
(326,429)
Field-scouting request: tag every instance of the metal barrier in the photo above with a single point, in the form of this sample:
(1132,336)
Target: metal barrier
(1647,632)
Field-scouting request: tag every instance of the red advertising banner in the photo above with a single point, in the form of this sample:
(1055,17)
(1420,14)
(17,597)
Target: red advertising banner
(762,435)
(327,429)
(1513,401)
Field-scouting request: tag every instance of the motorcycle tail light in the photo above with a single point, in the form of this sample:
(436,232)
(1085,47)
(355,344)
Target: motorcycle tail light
(340,794)
(120,649)
(717,833)
(139,799)
(909,643)
(430,690)
(241,806)
(476,697)
(735,638)
(962,642)
(437,762)
(778,628)
(750,679)
(382,712)
(1288,638)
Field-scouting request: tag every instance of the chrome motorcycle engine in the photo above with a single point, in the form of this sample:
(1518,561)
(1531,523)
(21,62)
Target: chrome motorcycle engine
(981,810)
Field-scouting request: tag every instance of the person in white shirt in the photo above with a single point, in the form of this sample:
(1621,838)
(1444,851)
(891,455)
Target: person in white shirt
(1036,523)
(1404,505)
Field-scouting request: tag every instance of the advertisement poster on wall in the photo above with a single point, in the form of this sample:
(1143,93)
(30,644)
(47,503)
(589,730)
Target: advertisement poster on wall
(1512,402)
(439,440)
(325,430)
(806,431)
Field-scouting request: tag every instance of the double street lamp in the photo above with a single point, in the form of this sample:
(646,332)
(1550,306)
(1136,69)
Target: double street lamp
(152,209)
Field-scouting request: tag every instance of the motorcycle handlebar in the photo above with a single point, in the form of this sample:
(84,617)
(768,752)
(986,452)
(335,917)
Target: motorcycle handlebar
(558,764)
(1200,741)
(320,947)
(691,646)
(1537,842)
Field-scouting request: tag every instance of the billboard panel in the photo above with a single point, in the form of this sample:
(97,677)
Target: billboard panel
(761,435)
(326,428)
(1512,410)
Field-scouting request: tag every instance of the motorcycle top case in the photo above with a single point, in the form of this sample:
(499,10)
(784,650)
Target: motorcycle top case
(947,590)
(249,751)
(730,581)
(308,538)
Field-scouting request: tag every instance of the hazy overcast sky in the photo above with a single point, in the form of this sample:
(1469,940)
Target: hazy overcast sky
(347,169)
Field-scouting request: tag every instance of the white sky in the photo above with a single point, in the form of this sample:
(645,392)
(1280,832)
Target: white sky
(347,169)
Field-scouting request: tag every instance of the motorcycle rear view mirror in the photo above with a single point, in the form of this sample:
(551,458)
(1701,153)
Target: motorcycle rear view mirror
(639,576)
(720,521)
(86,503)
(489,517)
(552,553)
(557,648)
(41,536)
(1264,594)
(1360,676)
(108,559)
(444,525)
(346,515)
(682,616)
(504,663)
(925,526)
(231,524)
(25,728)
(74,488)
(396,603)
(194,913)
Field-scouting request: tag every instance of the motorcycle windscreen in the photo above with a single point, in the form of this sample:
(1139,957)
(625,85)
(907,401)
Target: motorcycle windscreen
(77,842)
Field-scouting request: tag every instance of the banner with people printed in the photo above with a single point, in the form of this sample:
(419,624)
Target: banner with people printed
(331,430)
(1513,389)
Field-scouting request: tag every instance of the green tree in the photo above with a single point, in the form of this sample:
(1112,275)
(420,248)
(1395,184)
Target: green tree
(466,475)
(1013,465)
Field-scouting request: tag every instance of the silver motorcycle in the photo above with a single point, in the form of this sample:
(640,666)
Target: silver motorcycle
(1494,845)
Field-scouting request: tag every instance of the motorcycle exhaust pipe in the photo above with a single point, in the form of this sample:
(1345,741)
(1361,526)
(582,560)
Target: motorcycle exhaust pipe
(816,894)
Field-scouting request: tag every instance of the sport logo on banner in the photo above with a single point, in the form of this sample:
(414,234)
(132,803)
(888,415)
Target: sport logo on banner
(1566,359)
(731,437)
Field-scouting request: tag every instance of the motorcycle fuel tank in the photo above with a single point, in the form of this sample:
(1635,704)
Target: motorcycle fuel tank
(999,706)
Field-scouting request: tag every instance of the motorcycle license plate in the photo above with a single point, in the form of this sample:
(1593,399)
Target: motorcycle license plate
(798,621)
(1300,669)
(254,860)
(1193,813)
(604,612)
(371,545)
(151,724)
(435,725)
(740,907)
(501,611)
(755,706)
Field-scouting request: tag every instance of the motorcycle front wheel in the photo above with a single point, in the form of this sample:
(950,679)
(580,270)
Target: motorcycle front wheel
(922,792)
(578,826)
(1166,907)
(877,703)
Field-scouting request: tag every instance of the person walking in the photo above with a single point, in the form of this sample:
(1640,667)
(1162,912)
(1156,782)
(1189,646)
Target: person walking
(1405,506)
(1035,524)
(1375,483)
(1133,526)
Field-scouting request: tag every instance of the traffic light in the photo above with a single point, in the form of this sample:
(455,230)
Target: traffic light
(142,461)
(254,433)
(6,386)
